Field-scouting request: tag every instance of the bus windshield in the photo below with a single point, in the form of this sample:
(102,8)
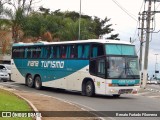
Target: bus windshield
(120,49)
(122,67)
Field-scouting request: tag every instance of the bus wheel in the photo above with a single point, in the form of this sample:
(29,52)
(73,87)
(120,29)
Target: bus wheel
(89,89)
(116,96)
(38,83)
(30,81)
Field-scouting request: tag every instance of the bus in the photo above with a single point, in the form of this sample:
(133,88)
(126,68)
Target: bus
(95,66)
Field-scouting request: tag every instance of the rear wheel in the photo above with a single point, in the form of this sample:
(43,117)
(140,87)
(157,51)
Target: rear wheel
(30,81)
(89,89)
(38,83)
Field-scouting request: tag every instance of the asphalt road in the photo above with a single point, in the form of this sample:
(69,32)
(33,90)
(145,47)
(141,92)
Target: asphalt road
(144,101)
(153,87)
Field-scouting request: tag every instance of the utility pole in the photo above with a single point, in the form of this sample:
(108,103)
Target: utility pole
(79,33)
(141,44)
(147,45)
(141,41)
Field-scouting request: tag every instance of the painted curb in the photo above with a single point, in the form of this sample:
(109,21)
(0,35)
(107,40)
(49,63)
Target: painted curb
(29,102)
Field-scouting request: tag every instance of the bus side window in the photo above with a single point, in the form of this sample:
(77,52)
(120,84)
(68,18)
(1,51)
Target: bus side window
(57,51)
(34,53)
(94,52)
(70,52)
(18,53)
(51,54)
(14,52)
(38,52)
(48,51)
(97,50)
(101,68)
(25,52)
(45,52)
(29,52)
(83,51)
(21,53)
(63,51)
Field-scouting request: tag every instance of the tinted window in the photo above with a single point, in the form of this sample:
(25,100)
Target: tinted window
(17,52)
(114,49)
(83,51)
(97,50)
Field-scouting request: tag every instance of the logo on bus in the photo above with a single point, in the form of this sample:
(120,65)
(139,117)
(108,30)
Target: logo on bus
(52,64)
(47,64)
(33,63)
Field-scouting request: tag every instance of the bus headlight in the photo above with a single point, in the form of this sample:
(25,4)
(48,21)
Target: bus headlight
(112,90)
(135,91)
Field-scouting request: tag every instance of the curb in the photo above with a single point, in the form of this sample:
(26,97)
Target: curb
(29,102)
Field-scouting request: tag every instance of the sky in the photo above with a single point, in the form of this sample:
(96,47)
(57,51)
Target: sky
(124,17)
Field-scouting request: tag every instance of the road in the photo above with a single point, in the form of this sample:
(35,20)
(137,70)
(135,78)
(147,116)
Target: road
(153,87)
(145,101)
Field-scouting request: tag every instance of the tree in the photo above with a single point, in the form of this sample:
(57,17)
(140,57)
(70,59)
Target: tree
(17,11)
(2,3)
(101,27)
(96,25)
(36,25)
(114,37)
(4,40)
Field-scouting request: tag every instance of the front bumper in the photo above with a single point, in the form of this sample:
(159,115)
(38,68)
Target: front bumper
(4,78)
(122,90)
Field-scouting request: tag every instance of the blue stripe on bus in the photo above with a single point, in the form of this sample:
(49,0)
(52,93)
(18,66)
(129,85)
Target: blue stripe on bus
(49,69)
(125,81)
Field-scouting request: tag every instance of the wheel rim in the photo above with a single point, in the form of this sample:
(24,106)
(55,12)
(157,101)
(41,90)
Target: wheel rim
(88,89)
(30,81)
(37,83)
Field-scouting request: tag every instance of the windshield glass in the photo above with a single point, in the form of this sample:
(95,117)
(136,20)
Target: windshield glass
(122,67)
(120,49)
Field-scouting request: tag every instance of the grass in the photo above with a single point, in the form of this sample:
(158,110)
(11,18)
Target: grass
(10,102)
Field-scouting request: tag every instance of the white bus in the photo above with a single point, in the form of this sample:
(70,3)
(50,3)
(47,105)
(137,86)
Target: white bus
(106,67)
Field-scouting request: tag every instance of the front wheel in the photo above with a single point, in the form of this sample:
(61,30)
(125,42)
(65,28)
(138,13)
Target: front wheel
(89,89)
(38,83)
(116,96)
(30,81)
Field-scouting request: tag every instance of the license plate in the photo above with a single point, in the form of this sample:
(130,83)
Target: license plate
(125,91)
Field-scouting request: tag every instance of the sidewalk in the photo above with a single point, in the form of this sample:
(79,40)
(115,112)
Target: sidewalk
(47,103)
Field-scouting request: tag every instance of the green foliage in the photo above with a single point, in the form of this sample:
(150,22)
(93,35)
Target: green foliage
(114,37)
(5,24)
(62,25)
(16,11)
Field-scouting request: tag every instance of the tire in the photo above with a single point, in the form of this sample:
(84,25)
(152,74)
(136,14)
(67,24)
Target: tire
(30,81)
(9,77)
(116,96)
(89,89)
(38,83)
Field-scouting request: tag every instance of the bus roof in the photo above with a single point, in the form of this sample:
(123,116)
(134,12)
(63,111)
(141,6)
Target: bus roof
(72,42)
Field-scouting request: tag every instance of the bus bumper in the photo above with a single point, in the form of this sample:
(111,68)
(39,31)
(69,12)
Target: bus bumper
(122,90)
